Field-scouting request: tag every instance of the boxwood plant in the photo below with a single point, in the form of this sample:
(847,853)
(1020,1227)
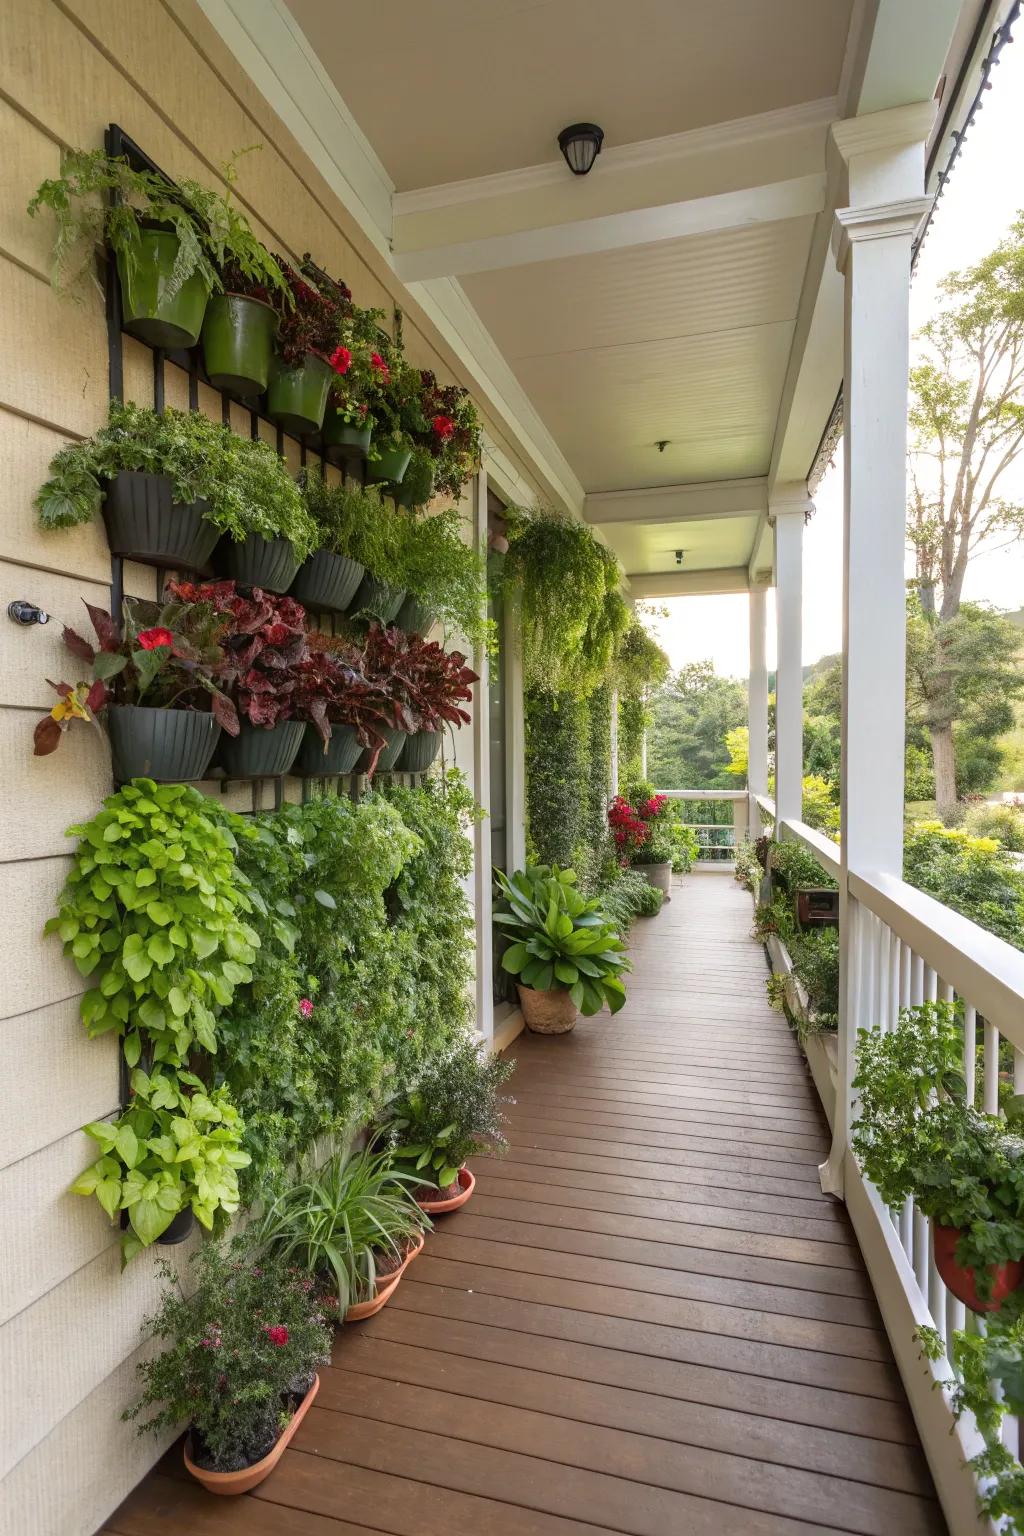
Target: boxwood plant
(560,940)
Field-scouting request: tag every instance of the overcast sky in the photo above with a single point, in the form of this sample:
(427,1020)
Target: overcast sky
(984,195)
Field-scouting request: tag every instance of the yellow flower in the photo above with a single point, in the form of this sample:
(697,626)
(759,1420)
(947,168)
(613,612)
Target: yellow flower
(71,706)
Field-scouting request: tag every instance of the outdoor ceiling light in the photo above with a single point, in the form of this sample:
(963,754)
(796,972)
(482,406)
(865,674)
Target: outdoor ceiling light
(581,145)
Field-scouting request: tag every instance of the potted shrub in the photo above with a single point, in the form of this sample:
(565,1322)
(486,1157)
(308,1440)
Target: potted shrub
(455,1111)
(916,1135)
(306,356)
(169,484)
(241,1345)
(441,680)
(565,953)
(161,687)
(639,824)
(352,1229)
(171,1157)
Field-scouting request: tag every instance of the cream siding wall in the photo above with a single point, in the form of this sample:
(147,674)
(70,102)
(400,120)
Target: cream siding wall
(69,1322)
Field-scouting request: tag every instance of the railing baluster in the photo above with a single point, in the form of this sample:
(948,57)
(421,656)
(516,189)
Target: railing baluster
(991,1100)
(970,1050)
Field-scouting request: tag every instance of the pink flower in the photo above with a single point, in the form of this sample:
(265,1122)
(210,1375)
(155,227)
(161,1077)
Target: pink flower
(306,1008)
(278,1336)
(378,365)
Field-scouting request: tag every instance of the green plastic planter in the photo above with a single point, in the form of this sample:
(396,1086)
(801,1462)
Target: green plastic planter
(143,523)
(378,598)
(419,752)
(342,754)
(257,562)
(342,440)
(388,756)
(414,617)
(391,465)
(327,582)
(297,397)
(150,309)
(257,753)
(238,337)
(172,746)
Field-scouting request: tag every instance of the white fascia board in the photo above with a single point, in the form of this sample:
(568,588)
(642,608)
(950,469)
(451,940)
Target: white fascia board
(689,583)
(701,501)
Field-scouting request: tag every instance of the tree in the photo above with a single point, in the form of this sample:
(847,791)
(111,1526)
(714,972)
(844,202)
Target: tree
(967,430)
(690,719)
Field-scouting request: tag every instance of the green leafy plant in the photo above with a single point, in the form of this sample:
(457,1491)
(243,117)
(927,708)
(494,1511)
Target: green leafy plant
(354,522)
(244,485)
(345,1227)
(1005,823)
(792,865)
(973,875)
(748,871)
(154,912)
(172,1149)
(241,1342)
(560,940)
(628,895)
(448,575)
(454,1112)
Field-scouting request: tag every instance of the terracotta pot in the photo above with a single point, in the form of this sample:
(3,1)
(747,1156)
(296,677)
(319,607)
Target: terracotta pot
(229,1483)
(547,1013)
(467,1184)
(961,1282)
(385,1289)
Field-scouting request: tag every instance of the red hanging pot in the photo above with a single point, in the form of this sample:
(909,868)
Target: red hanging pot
(961,1281)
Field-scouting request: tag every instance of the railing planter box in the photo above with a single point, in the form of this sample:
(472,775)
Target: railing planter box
(466,1185)
(414,617)
(658,875)
(258,562)
(419,751)
(386,1288)
(143,523)
(378,598)
(341,754)
(247,1478)
(170,745)
(153,310)
(820,1047)
(341,439)
(257,753)
(297,397)
(1005,1278)
(238,337)
(391,466)
(547,1013)
(327,581)
(388,754)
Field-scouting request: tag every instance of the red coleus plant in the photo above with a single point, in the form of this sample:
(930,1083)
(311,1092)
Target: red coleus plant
(333,689)
(313,323)
(263,643)
(168,656)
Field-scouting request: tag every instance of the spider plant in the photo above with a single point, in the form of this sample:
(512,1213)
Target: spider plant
(337,1225)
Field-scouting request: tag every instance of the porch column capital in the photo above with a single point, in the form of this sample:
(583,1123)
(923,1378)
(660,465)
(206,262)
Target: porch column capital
(877,221)
(789,498)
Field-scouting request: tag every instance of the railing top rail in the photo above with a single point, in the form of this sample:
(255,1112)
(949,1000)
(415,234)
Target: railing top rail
(984,970)
(823,848)
(704,794)
(767,804)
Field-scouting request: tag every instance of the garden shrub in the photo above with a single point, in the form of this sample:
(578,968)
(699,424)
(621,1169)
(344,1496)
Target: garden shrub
(973,875)
(1003,822)
(627,895)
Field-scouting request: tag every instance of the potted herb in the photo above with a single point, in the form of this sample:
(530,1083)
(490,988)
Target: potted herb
(352,1229)
(565,952)
(241,1345)
(916,1135)
(639,824)
(161,686)
(173,1155)
(307,354)
(456,1111)
(441,681)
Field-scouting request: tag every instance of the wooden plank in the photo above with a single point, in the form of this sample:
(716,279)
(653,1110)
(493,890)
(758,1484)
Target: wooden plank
(172,1506)
(529,1116)
(712,1151)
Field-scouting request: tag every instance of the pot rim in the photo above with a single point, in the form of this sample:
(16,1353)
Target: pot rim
(245,1478)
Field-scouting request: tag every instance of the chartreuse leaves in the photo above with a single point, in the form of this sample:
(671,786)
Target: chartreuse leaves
(560,939)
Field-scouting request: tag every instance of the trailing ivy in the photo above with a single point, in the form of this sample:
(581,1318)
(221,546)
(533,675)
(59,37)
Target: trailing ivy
(557,779)
(633,721)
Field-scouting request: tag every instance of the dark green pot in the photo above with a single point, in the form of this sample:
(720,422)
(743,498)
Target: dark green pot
(342,754)
(143,523)
(297,397)
(256,753)
(396,741)
(419,752)
(378,598)
(256,562)
(391,465)
(238,336)
(343,441)
(149,309)
(327,581)
(414,617)
(169,745)
(179,1229)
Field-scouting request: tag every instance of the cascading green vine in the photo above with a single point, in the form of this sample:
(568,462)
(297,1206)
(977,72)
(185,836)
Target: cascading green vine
(599,777)
(558,765)
(633,721)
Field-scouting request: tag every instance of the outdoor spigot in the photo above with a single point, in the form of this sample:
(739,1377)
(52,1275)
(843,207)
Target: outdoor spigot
(26,613)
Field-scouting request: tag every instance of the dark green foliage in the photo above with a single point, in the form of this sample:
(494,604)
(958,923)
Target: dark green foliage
(973,875)
(815,956)
(627,895)
(634,717)
(557,778)
(454,1111)
(691,716)
(599,765)
(792,865)
(560,939)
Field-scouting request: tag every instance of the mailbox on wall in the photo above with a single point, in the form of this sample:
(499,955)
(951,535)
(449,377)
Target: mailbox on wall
(817,906)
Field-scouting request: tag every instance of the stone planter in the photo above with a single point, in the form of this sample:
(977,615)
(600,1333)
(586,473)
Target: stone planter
(658,875)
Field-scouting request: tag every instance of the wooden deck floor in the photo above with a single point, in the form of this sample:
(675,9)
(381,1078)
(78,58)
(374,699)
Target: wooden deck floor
(648,1320)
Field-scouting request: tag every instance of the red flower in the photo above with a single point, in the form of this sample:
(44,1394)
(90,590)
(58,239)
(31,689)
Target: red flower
(306,1008)
(444,427)
(378,365)
(341,359)
(278,1336)
(151,639)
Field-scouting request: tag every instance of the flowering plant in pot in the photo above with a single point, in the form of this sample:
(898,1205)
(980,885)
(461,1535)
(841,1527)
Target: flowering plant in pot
(917,1135)
(395,401)
(348,423)
(566,953)
(454,1112)
(452,436)
(241,1345)
(639,822)
(307,352)
(351,1229)
(346,709)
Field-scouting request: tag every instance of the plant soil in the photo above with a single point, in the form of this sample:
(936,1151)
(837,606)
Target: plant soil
(431,1192)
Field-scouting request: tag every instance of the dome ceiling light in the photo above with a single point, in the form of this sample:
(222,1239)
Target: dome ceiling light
(581,145)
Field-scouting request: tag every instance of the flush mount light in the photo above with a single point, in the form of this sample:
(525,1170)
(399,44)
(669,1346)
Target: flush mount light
(679,556)
(581,145)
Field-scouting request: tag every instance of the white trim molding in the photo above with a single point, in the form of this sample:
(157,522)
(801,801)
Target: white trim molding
(699,501)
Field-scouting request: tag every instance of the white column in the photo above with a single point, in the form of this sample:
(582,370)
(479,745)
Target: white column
(883,154)
(757,709)
(482,789)
(788,506)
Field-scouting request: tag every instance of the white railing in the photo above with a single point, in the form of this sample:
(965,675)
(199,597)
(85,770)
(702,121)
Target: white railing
(735,831)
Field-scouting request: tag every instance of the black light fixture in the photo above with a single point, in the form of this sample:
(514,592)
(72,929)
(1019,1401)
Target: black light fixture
(581,145)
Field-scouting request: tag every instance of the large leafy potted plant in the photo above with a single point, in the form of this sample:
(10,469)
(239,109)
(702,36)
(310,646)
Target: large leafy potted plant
(353,1228)
(306,355)
(442,681)
(565,952)
(241,1343)
(916,1135)
(161,684)
(455,1111)
(170,483)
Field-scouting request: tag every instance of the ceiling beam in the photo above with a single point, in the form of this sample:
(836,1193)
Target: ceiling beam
(701,502)
(689,583)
